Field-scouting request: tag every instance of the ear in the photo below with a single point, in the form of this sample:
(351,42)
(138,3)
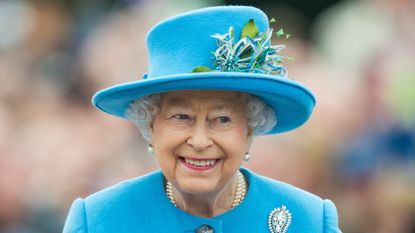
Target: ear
(250,136)
(151,132)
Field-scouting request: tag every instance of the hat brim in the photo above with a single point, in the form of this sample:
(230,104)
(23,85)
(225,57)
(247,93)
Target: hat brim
(292,102)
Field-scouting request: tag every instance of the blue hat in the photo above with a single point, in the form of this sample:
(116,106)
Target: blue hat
(231,44)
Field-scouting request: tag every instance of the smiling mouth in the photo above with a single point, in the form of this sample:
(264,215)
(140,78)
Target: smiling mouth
(199,164)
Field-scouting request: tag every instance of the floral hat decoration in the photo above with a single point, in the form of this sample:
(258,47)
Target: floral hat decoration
(217,48)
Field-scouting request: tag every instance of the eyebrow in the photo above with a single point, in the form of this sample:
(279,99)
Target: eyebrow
(177,101)
(180,102)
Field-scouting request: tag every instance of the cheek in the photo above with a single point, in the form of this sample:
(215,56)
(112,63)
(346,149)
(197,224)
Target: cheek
(165,142)
(164,153)
(241,138)
(160,135)
(162,145)
(236,144)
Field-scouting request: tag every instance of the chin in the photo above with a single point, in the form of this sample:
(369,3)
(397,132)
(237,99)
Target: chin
(197,186)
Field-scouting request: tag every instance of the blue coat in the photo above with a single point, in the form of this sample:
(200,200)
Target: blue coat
(140,205)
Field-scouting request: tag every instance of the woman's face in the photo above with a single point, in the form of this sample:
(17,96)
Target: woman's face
(200,138)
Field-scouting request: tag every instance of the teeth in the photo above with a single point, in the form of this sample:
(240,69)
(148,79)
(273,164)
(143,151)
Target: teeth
(200,163)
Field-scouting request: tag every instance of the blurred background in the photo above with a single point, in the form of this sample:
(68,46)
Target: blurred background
(358,148)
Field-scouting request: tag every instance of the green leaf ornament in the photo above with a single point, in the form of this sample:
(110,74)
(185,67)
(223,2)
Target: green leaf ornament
(279,33)
(200,69)
(250,29)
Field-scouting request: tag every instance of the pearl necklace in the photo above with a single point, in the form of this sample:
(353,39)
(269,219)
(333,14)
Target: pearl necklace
(239,195)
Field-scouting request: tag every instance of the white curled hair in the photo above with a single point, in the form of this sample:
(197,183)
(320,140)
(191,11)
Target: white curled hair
(261,118)
(142,112)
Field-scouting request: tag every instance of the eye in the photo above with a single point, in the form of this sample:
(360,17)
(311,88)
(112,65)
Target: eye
(181,117)
(223,119)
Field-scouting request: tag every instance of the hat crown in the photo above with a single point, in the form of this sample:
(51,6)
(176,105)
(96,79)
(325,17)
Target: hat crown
(178,45)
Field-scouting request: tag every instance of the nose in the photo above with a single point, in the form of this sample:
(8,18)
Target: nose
(199,137)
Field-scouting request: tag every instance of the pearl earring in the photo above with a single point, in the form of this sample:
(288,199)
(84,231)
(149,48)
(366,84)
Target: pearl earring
(247,157)
(150,149)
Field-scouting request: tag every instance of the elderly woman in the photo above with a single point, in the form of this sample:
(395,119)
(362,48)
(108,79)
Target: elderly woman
(214,82)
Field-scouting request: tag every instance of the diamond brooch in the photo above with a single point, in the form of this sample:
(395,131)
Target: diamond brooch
(279,220)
